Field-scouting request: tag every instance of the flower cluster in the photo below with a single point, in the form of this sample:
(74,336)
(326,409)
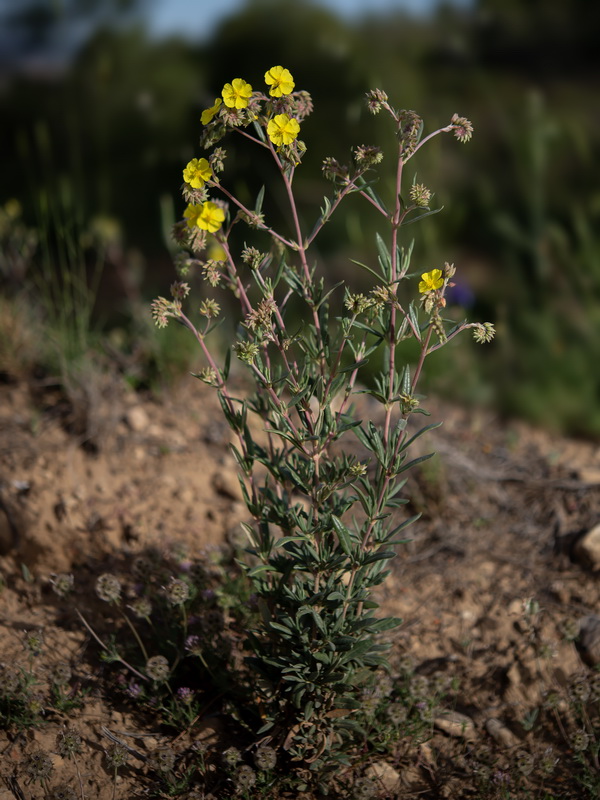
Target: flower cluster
(463,129)
(420,195)
(483,332)
(279,112)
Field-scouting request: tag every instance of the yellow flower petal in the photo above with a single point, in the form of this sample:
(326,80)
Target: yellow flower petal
(209,113)
(430,281)
(197,172)
(237,93)
(280,80)
(283,129)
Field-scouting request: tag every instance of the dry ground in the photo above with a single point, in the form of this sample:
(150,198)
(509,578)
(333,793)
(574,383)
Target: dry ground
(502,507)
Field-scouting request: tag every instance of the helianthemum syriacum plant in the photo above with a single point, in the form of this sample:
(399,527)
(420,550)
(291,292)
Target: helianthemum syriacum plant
(324,523)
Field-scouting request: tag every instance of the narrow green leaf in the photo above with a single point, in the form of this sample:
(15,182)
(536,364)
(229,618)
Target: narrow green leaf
(259,200)
(351,367)
(343,534)
(261,568)
(282,629)
(413,463)
(385,259)
(324,298)
(384,555)
(414,320)
(288,539)
(420,433)
(364,266)
(385,624)
(422,216)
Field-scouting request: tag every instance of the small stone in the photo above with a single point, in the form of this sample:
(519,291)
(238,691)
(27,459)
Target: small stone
(587,548)
(384,775)
(590,475)
(501,734)
(588,641)
(560,592)
(515,608)
(455,724)
(137,419)
(226,483)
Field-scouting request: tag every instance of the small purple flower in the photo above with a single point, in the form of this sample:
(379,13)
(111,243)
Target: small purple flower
(208,594)
(193,645)
(185,694)
(134,690)
(501,778)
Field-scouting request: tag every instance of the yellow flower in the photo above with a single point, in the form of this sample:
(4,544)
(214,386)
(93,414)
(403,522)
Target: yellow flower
(209,113)
(211,217)
(431,281)
(283,129)
(192,214)
(207,217)
(237,93)
(197,172)
(280,80)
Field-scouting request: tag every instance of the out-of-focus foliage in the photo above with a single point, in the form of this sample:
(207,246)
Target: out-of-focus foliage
(521,209)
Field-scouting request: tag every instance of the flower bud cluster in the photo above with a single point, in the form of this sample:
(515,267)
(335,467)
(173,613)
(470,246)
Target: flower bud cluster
(162,310)
(376,100)
(367,155)
(483,332)
(357,303)
(179,290)
(210,309)
(211,272)
(217,159)
(246,351)
(252,257)
(420,195)
(409,130)
(333,170)
(463,128)
(253,219)
(260,317)
(208,376)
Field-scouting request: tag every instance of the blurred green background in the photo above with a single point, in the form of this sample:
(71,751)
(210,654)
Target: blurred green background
(100,112)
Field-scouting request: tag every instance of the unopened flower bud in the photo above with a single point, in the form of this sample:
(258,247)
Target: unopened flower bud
(484,332)
(367,155)
(375,99)
(420,195)
(463,128)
